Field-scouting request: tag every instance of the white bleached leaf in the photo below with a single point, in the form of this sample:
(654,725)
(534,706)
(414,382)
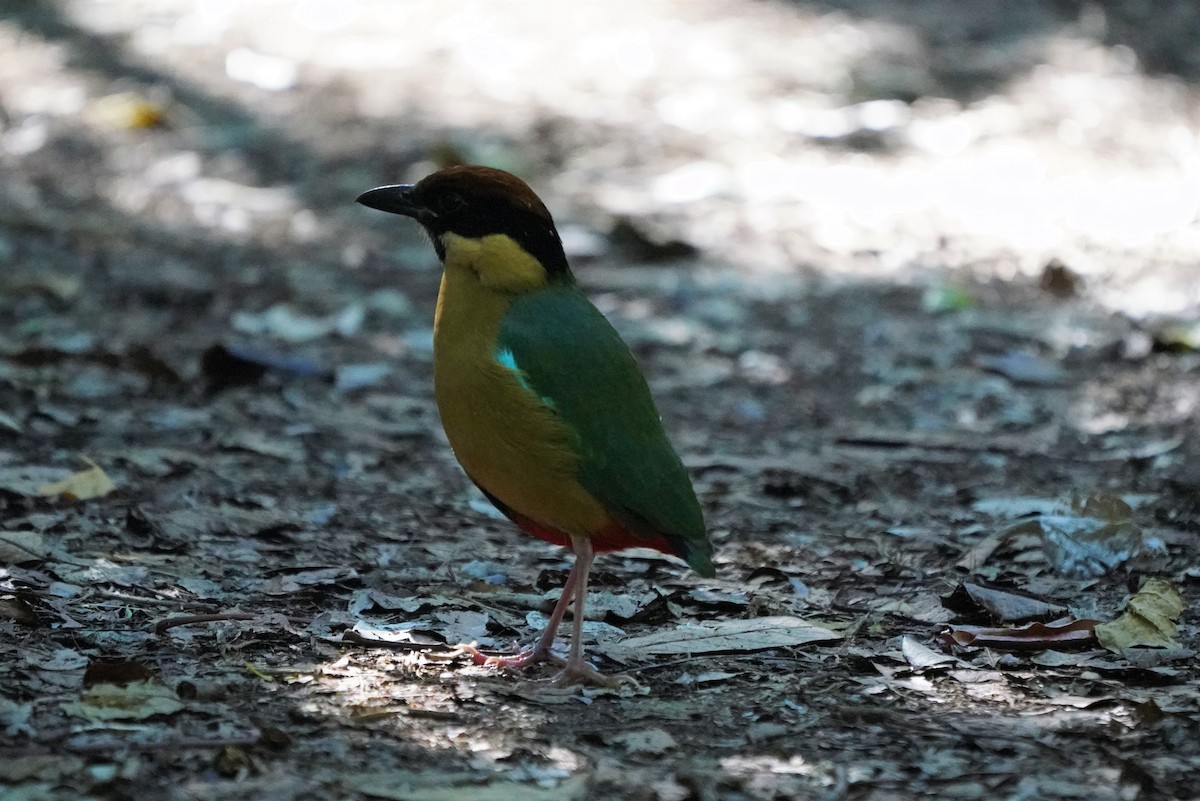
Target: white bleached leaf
(755,634)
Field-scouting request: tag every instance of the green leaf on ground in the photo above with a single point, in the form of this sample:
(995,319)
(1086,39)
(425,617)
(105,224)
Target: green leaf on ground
(1148,621)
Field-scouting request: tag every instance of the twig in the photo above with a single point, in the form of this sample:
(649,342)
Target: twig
(1019,445)
(187,620)
(141,599)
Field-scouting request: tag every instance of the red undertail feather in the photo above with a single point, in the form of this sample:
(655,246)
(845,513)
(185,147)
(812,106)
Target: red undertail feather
(612,538)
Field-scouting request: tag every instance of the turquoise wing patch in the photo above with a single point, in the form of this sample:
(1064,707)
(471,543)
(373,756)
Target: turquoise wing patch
(505,358)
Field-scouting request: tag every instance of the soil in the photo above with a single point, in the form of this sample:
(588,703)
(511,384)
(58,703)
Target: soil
(915,291)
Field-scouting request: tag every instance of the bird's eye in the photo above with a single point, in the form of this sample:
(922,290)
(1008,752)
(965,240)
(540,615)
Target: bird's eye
(448,204)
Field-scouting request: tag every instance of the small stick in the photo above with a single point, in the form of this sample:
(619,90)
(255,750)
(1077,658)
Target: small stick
(142,599)
(187,620)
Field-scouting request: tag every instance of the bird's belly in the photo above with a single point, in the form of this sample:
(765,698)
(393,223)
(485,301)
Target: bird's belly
(514,446)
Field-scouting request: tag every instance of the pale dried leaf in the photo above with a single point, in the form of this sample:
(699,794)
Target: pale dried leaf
(1095,536)
(1001,605)
(287,583)
(81,486)
(463,626)
(21,546)
(14,719)
(921,656)
(60,659)
(136,700)
(755,634)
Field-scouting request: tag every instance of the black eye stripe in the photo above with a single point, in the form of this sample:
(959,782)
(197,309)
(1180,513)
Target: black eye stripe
(530,230)
(450,203)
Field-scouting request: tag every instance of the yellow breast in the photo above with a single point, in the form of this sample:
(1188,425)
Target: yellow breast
(508,440)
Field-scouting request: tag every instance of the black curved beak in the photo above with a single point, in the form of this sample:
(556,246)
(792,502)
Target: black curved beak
(396,199)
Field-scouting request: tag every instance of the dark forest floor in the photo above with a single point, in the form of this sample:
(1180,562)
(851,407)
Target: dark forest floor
(916,295)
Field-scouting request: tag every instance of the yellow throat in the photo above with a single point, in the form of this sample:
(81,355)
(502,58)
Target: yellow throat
(510,441)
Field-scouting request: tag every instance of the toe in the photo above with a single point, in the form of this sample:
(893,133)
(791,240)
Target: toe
(572,675)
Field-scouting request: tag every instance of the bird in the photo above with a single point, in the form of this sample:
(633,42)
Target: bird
(543,404)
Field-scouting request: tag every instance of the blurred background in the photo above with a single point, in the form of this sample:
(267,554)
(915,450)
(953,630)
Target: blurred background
(868,138)
(903,277)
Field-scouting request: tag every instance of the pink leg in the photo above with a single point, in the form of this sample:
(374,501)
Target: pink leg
(583,563)
(574,670)
(540,652)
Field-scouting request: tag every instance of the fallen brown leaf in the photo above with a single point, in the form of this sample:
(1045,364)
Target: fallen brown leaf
(1033,637)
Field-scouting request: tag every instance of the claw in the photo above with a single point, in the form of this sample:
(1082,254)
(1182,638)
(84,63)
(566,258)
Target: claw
(516,661)
(574,669)
(572,675)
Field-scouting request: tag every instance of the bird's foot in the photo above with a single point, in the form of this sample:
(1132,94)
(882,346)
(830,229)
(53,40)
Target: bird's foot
(570,675)
(518,661)
(583,673)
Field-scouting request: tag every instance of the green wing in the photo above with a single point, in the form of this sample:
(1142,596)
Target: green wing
(570,355)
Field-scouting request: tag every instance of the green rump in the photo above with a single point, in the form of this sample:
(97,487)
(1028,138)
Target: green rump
(572,357)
